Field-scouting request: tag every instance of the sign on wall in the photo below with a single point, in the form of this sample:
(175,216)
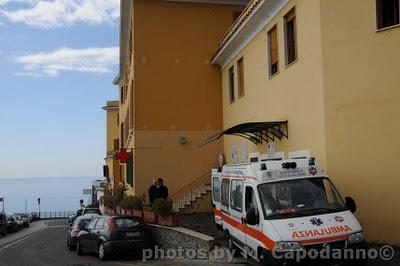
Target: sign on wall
(244,152)
(234,153)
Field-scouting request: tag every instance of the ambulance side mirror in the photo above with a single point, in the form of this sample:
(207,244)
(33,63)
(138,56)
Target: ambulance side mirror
(251,217)
(351,204)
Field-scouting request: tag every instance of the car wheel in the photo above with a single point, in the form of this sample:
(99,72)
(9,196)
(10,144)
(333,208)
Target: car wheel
(79,250)
(102,252)
(232,248)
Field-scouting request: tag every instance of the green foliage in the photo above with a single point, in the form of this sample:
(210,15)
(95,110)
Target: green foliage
(113,198)
(132,202)
(162,207)
(119,193)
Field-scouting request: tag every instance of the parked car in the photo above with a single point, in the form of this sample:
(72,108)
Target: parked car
(108,235)
(24,218)
(91,210)
(3,224)
(20,221)
(75,228)
(77,214)
(12,225)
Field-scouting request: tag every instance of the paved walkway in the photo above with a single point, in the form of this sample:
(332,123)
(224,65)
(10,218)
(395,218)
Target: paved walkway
(34,228)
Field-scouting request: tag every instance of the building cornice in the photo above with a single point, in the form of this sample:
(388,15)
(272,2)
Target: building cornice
(125,32)
(253,19)
(219,2)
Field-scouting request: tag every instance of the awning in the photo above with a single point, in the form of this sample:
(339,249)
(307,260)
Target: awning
(256,132)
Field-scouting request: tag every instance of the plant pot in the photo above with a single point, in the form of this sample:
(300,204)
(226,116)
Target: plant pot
(169,220)
(137,213)
(149,217)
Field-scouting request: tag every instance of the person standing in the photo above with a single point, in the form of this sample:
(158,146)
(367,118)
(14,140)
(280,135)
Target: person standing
(153,192)
(162,189)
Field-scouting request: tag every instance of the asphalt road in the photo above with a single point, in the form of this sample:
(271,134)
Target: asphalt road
(47,247)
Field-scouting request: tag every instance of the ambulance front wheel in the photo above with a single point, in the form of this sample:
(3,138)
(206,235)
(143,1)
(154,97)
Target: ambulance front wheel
(265,257)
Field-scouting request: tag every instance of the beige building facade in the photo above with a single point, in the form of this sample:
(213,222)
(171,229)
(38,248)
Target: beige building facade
(329,68)
(170,96)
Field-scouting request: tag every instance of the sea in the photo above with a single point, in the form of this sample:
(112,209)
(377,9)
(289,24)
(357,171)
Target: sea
(57,194)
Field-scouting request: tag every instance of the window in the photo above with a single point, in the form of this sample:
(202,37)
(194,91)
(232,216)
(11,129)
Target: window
(216,189)
(290,37)
(92,224)
(225,192)
(387,13)
(122,94)
(236,195)
(100,223)
(122,135)
(231,85)
(273,50)
(116,144)
(240,77)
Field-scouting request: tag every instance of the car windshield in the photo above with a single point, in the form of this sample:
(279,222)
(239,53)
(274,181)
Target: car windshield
(300,197)
(126,222)
(92,211)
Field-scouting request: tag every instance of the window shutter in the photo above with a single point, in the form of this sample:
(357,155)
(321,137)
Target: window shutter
(274,46)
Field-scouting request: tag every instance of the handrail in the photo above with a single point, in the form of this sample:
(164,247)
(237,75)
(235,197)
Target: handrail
(190,184)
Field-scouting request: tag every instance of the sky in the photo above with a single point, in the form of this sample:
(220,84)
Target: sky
(57,62)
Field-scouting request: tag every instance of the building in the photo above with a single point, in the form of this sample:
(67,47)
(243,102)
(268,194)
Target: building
(330,69)
(112,166)
(169,92)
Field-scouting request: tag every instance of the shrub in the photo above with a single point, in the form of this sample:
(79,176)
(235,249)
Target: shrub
(119,194)
(132,202)
(162,207)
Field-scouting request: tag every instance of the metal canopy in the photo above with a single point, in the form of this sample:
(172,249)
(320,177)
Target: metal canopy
(256,132)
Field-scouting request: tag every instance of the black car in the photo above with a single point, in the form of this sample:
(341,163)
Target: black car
(76,227)
(3,224)
(108,235)
(12,225)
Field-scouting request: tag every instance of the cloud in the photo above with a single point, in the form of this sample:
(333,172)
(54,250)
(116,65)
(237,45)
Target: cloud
(90,60)
(59,13)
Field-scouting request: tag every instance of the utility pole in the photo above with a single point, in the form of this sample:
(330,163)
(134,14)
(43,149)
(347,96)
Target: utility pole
(38,200)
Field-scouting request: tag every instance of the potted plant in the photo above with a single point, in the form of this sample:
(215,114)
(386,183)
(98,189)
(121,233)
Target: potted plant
(163,210)
(137,207)
(132,205)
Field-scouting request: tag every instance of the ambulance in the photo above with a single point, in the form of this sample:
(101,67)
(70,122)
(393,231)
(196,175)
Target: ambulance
(271,206)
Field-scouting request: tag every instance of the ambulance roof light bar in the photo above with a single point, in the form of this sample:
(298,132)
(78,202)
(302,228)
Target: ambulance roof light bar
(303,154)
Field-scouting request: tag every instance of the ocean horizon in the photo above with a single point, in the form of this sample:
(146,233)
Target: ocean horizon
(55,193)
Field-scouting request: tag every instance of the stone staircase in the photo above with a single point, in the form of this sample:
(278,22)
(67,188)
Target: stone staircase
(197,193)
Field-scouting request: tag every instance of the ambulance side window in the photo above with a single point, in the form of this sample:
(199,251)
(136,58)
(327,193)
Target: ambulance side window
(237,195)
(216,189)
(250,199)
(225,192)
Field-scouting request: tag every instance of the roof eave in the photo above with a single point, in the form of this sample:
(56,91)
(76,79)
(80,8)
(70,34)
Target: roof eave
(252,24)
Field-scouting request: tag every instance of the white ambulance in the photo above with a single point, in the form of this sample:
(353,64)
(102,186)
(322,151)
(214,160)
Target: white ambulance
(275,206)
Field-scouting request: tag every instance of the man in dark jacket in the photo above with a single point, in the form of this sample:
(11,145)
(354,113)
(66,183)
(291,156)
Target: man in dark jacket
(153,192)
(162,190)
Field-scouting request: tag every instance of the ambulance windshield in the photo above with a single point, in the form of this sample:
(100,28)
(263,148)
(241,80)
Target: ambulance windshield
(299,197)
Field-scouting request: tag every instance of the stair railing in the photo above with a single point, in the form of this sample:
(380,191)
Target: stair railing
(191,190)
